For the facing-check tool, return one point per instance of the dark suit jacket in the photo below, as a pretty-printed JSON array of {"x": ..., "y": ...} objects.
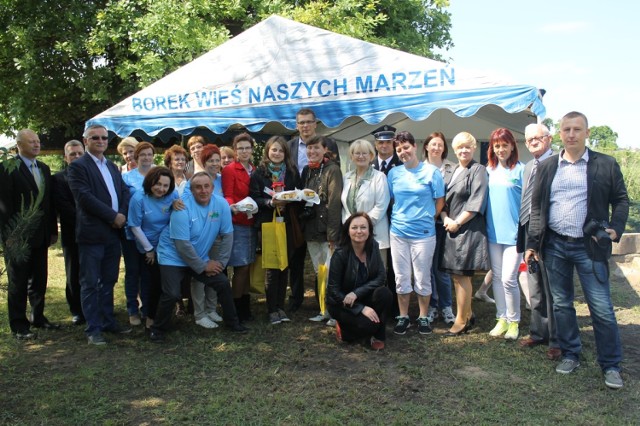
[
  {"x": 395, "y": 161},
  {"x": 20, "y": 185},
  {"x": 521, "y": 241},
  {"x": 65, "y": 208},
  {"x": 94, "y": 215},
  {"x": 605, "y": 187}
]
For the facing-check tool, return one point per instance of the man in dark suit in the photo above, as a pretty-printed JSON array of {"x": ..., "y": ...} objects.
[
  {"x": 21, "y": 188},
  {"x": 386, "y": 149},
  {"x": 102, "y": 200},
  {"x": 306, "y": 125},
  {"x": 66, "y": 210},
  {"x": 542, "y": 329},
  {"x": 569, "y": 228}
]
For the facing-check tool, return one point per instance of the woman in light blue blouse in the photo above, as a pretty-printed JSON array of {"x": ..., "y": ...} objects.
[
  {"x": 136, "y": 280},
  {"x": 417, "y": 190},
  {"x": 149, "y": 213},
  {"x": 503, "y": 207}
]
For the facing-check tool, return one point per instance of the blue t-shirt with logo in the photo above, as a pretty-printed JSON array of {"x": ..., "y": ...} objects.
[
  {"x": 414, "y": 192},
  {"x": 198, "y": 224}
]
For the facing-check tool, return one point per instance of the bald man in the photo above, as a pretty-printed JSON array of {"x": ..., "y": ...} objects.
[{"x": 25, "y": 186}]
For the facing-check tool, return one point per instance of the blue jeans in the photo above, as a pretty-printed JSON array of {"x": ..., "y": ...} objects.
[
  {"x": 560, "y": 258},
  {"x": 99, "y": 268},
  {"x": 136, "y": 279}
]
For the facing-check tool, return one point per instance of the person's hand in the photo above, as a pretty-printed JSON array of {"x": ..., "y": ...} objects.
[
  {"x": 177, "y": 204},
  {"x": 349, "y": 299},
  {"x": 450, "y": 225},
  {"x": 529, "y": 254},
  {"x": 234, "y": 209},
  {"x": 150, "y": 257},
  {"x": 332, "y": 246},
  {"x": 371, "y": 314},
  {"x": 213, "y": 268},
  {"x": 278, "y": 203},
  {"x": 119, "y": 221},
  {"x": 612, "y": 233}
]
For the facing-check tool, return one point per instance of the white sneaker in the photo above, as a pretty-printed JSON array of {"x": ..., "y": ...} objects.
[
  {"x": 331, "y": 322},
  {"x": 432, "y": 314},
  {"x": 206, "y": 323},
  {"x": 214, "y": 316},
  {"x": 319, "y": 318},
  {"x": 449, "y": 318},
  {"x": 483, "y": 297}
]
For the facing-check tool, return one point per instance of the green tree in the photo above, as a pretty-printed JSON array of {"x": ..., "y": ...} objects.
[
  {"x": 602, "y": 138},
  {"x": 63, "y": 62}
]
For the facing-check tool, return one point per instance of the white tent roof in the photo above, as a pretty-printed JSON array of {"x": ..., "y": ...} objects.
[{"x": 262, "y": 77}]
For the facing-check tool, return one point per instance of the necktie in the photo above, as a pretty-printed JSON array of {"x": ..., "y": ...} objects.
[
  {"x": 36, "y": 174},
  {"x": 383, "y": 167},
  {"x": 525, "y": 208}
]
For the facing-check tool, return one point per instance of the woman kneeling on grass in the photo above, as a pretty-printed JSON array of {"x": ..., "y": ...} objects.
[{"x": 357, "y": 297}]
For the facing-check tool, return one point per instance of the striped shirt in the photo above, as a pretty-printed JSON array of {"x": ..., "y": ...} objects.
[{"x": 568, "y": 203}]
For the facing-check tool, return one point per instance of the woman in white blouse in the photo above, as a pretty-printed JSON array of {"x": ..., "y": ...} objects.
[{"x": 366, "y": 190}]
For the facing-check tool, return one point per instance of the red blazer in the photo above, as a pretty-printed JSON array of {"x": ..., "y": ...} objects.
[{"x": 235, "y": 187}]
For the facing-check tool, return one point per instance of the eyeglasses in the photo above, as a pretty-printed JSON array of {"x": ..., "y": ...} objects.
[
  {"x": 306, "y": 122},
  {"x": 360, "y": 154},
  {"x": 244, "y": 148},
  {"x": 537, "y": 138},
  {"x": 97, "y": 138}
]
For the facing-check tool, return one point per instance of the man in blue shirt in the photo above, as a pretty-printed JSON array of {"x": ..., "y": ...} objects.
[
  {"x": 579, "y": 206},
  {"x": 187, "y": 247}
]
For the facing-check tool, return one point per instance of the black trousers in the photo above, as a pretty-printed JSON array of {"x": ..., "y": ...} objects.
[
  {"x": 296, "y": 276},
  {"x": 72, "y": 270},
  {"x": 172, "y": 276},
  {"x": 275, "y": 289},
  {"x": 27, "y": 280},
  {"x": 355, "y": 327}
]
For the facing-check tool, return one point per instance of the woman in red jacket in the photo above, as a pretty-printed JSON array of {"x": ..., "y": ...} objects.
[{"x": 235, "y": 187}]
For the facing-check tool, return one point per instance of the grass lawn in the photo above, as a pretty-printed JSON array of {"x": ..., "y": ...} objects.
[{"x": 296, "y": 373}]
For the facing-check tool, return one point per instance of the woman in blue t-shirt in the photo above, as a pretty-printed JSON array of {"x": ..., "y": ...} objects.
[
  {"x": 417, "y": 190},
  {"x": 149, "y": 214},
  {"x": 503, "y": 207}
]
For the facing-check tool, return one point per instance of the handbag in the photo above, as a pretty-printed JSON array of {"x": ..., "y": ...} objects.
[{"x": 274, "y": 244}]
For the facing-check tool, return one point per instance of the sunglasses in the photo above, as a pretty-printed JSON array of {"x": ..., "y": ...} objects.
[{"x": 97, "y": 138}]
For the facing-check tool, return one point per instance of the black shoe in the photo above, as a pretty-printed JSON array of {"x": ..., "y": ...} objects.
[
  {"x": 423, "y": 326},
  {"x": 464, "y": 330},
  {"x": 402, "y": 325},
  {"x": 78, "y": 320},
  {"x": 156, "y": 336},
  {"x": 25, "y": 335},
  {"x": 239, "y": 328},
  {"x": 46, "y": 325},
  {"x": 118, "y": 329}
]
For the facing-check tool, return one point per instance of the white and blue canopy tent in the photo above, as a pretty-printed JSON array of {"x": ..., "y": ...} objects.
[{"x": 262, "y": 77}]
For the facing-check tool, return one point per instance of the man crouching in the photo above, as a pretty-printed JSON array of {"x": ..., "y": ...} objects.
[{"x": 184, "y": 248}]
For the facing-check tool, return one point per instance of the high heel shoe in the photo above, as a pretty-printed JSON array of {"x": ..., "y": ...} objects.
[
  {"x": 471, "y": 322},
  {"x": 464, "y": 330}
]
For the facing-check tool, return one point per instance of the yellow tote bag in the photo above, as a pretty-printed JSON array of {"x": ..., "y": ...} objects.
[
  {"x": 322, "y": 286},
  {"x": 274, "y": 244}
]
